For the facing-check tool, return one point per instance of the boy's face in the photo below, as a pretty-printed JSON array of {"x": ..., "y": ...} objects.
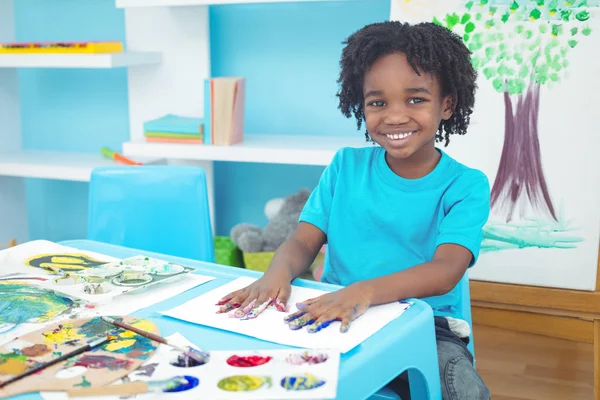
[{"x": 402, "y": 109}]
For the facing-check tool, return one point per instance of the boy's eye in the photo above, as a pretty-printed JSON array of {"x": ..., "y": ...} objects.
[
  {"x": 377, "y": 103},
  {"x": 416, "y": 100}
]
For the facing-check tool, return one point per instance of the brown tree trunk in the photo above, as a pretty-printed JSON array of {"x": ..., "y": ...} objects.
[{"x": 520, "y": 180}]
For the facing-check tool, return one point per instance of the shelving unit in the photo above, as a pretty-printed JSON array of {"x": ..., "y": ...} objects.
[
  {"x": 272, "y": 149},
  {"x": 179, "y": 3},
  {"x": 107, "y": 60},
  {"x": 61, "y": 165}
]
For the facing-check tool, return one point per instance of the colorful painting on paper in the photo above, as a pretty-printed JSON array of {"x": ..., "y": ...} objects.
[
  {"x": 532, "y": 132},
  {"x": 22, "y": 302}
]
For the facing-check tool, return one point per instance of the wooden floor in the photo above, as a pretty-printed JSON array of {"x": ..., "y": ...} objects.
[{"x": 520, "y": 366}]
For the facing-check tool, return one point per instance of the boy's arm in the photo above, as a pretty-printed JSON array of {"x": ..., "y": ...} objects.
[
  {"x": 296, "y": 254},
  {"x": 433, "y": 278}
]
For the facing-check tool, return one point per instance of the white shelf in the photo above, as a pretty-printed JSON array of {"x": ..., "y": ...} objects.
[
  {"x": 271, "y": 149},
  {"x": 106, "y": 60},
  {"x": 53, "y": 164},
  {"x": 177, "y": 3}
]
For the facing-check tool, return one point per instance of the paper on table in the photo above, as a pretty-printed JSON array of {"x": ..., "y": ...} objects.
[
  {"x": 209, "y": 375},
  {"x": 270, "y": 326}
]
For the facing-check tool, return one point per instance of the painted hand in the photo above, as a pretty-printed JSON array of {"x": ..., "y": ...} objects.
[
  {"x": 249, "y": 302},
  {"x": 345, "y": 305}
]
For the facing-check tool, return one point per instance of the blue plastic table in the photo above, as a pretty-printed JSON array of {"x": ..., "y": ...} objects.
[{"x": 408, "y": 342}]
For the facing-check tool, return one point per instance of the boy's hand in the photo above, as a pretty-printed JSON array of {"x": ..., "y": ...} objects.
[
  {"x": 249, "y": 302},
  {"x": 345, "y": 305}
]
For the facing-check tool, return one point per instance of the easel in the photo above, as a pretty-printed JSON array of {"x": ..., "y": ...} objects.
[
  {"x": 12, "y": 243},
  {"x": 560, "y": 313}
]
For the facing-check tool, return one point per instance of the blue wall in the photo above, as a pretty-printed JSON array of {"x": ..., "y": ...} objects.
[{"x": 288, "y": 52}]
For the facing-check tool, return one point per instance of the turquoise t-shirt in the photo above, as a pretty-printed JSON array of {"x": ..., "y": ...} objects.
[{"x": 378, "y": 223}]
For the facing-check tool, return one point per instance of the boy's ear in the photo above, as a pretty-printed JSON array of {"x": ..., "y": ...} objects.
[{"x": 448, "y": 105}]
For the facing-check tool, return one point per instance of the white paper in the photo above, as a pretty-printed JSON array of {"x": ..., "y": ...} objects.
[
  {"x": 13, "y": 267},
  {"x": 270, "y": 326},
  {"x": 217, "y": 368}
]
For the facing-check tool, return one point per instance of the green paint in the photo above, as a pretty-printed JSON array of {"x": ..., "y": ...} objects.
[
  {"x": 572, "y": 43},
  {"x": 528, "y": 233},
  {"x": 470, "y": 27},
  {"x": 84, "y": 382},
  {"x": 469, "y": 5},
  {"x": 452, "y": 20},
  {"x": 540, "y": 3},
  {"x": 586, "y": 31},
  {"x": 582, "y": 16},
  {"x": 56, "y": 354},
  {"x": 535, "y": 14},
  {"x": 505, "y": 17},
  {"x": 483, "y": 2},
  {"x": 465, "y": 18},
  {"x": 574, "y": 31},
  {"x": 514, "y": 6}
]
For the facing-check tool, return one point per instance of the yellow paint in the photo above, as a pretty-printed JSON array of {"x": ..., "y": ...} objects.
[
  {"x": 12, "y": 366},
  {"x": 552, "y": 12},
  {"x": 119, "y": 344},
  {"x": 144, "y": 325},
  {"x": 64, "y": 335}
]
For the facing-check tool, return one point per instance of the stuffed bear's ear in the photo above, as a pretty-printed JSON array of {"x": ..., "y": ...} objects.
[{"x": 273, "y": 206}]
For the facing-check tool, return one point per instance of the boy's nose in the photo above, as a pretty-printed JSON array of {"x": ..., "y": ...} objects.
[{"x": 396, "y": 115}]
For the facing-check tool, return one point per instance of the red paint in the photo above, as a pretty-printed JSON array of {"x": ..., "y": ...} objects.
[
  {"x": 101, "y": 362},
  {"x": 248, "y": 361}
]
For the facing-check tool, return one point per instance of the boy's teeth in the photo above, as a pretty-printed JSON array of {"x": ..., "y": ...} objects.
[{"x": 400, "y": 135}]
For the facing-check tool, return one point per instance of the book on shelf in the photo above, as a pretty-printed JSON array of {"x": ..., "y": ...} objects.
[
  {"x": 172, "y": 128},
  {"x": 224, "y": 99}
]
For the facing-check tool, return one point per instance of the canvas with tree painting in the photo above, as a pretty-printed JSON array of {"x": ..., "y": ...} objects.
[{"x": 532, "y": 132}]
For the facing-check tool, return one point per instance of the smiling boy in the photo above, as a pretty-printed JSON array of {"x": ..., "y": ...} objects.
[{"x": 401, "y": 219}]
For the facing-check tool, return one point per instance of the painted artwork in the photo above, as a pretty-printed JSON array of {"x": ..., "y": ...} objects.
[
  {"x": 532, "y": 132},
  {"x": 269, "y": 326},
  {"x": 247, "y": 375},
  {"x": 22, "y": 302}
]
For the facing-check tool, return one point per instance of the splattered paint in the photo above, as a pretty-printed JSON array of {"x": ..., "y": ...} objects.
[
  {"x": 181, "y": 384},
  {"x": 243, "y": 383},
  {"x": 301, "y": 382},
  {"x": 21, "y": 302},
  {"x": 127, "y": 342},
  {"x": 146, "y": 370},
  {"x": 190, "y": 358},
  {"x": 248, "y": 361},
  {"x": 63, "y": 334},
  {"x": 60, "y": 263},
  {"x": 35, "y": 351},
  {"x": 307, "y": 357},
  {"x": 13, "y": 364},
  {"x": 84, "y": 382},
  {"x": 101, "y": 362}
]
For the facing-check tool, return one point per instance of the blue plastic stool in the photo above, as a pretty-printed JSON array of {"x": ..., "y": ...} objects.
[
  {"x": 464, "y": 307},
  {"x": 162, "y": 209}
]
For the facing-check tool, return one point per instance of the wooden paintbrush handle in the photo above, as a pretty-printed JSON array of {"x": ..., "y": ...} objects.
[
  {"x": 140, "y": 332},
  {"x": 129, "y": 388}
]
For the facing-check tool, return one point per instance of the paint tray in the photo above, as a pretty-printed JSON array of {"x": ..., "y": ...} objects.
[{"x": 101, "y": 283}]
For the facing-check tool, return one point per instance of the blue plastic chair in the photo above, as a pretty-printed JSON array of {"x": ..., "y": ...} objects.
[
  {"x": 464, "y": 307},
  {"x": 159, "y": 208}
]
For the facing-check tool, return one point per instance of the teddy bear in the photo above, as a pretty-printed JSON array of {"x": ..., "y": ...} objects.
[{"x": 282, "y": 213}]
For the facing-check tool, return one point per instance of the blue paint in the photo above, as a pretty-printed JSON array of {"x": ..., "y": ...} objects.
[{"x": 289, "y": 53}]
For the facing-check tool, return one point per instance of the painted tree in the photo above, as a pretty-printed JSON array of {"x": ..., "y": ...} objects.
[{"x": 518, "y": 48}]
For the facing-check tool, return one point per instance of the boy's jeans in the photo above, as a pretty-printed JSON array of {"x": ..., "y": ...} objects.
[{"x": 459, "y": 379}]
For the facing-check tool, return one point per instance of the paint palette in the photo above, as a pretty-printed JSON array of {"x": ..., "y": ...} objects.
[
  {"x": 102, "y": 282},
  {"x": 265, "y": 374},
  {"x": 98, "y": 367}
]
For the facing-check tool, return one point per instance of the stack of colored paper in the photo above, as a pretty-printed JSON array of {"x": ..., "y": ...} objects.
[{"x": 175, "y": 129}]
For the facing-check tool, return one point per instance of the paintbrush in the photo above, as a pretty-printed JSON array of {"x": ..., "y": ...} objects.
[
  {"x": 200, "y": 357},
  {"x": 89, "y": 346}
]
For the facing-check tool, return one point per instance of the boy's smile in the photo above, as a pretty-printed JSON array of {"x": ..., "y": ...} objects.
[{"x": 403, "y": 111}]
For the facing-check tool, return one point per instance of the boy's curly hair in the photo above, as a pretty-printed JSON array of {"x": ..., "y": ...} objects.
[{"x": 430, "y": 47}]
